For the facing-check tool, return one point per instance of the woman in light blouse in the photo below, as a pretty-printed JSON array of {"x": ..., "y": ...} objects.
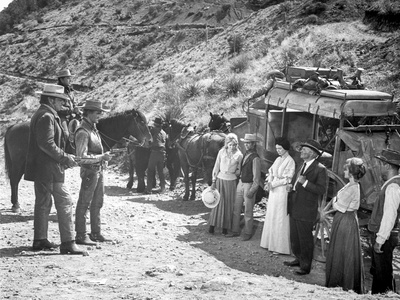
[
  {"x": 344, "y": 264},
  {"x": 224, "y": 179}
]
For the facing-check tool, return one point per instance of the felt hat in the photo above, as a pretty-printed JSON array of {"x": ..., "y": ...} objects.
[
  {"x": 210, "y": 197},
  {"x": 275, "y": 73},
  {"x": 53, "y": 90},
  {"x": 390, "y": 156},
  {"x": 157, "y": 122},
  {"x": 64, "y": 73},
  {"x": 94, "y": 105},
  {"x": 249, "y": 137},
  {"x": 314, "y": 145}
]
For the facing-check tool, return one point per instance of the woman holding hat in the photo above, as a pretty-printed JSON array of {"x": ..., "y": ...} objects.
[
  {"x": 224, "y": 176},
  {"x": 344, "y": 262},
  {"x": 91, "y": 195},
  {"x": 276, "y": 232}
]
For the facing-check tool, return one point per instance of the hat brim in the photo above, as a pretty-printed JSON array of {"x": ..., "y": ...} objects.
[
  {"x": 315, "y": 149},
  {"x": 215, "y": 194},
  {"x": 392, "y": 162},
  {"x": 248, "y": 141},
  {"x": 88, "y": 107},
  {"x": 55, "y": 95}
]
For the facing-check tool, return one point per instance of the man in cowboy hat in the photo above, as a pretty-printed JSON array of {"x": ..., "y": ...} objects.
[
  {"x": 70, "y": 109},
  {"x": 384, "y": 223},
  {"x": 272, "y": 76},
  {"x": 249, "y": 180},
  {"x": 90, "y": 151},
  {"x": 157, "y": 156},
  {"x": 45, "y": 165},
  {"x": 308, "y": 187}
]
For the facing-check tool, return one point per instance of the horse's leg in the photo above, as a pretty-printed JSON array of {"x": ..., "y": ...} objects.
[
  {"x": 194, "y": 178},
  {"x": 131, "y": 172},
  {"x": 15, "y": 178},
  {"x": 185, "y": 170}
]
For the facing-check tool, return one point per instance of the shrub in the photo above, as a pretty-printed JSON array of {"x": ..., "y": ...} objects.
[
  {"x": 147, "y": 62},
  {"x": 311, "y": 19},
  {"x": 191, "y": 90},
  {"x": 236, "y": 43},
  {"x": 27, "y": 87},
  {"x": 315, "y": 8},
  {"x": 240, "y": 64},
  {"x": 168, "y": 77},
  {"x": 153, "y": 10},
  {"x": 234, "y": 86},
  {"x": 222, "y": 12}
]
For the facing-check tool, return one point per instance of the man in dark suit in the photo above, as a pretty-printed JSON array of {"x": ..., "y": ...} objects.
[{"x": 308, "y": 187}]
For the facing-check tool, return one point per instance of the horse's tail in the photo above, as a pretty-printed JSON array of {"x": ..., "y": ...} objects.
[{"x": 7, "y": 156}]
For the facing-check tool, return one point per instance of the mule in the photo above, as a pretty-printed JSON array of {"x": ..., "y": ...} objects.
[
  {"x": 111, "y": 130},
  {"x": 195, "y": 151}
]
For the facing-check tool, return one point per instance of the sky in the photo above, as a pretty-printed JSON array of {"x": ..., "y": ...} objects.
[{"x": 4, "y": 4}]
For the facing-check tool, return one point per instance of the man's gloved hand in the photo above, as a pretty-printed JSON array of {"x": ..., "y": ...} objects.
[
  {"x": 69, "y": 161},
  {"x": 377, "y": 248},
  {"x": 106, "y": 156}
]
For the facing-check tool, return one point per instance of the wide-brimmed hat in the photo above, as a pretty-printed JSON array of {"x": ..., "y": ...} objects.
[
  {"x": 390, "y": 156},
  {"x": 157, "y": 122},
  {"x": 94, "y": 105},
  {"x": 249, "y": 137},
  {"x": 53, "y": 90},
  {"x": 275, "y": 73},
  {"x": 64, "y": 73},
  {"x": 312, "y": 144},
  {"x": 210, "y": 197}
]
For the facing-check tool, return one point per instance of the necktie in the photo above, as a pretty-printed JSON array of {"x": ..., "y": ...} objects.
[{"x": 303, "y": 168}]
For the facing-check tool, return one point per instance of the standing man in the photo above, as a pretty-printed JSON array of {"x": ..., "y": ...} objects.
[
  {"x": 92, "y": 158},
  {"x": 384, "y": 224},
  {"x": 250, "y": 174},
  {"x": 45, "y": 165},
  {"x": 308, "y": 187},
  {"x": 157, "y": 156}
]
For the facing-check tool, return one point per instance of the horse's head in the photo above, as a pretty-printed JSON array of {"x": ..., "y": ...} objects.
[
  {"x": 138, "y": 127},
  {"x": 218, "y": 122},
  {"x": 174, "y": 129}
]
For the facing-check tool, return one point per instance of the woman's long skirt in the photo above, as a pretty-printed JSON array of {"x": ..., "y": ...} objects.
[
  {"x": 344, "y": 264},
  {"x": 221, "y": 215}
]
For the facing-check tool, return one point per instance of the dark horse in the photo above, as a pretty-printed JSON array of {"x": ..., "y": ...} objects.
[
  {"x": 195, "y": 151},
  {"x": 111, "y": 129},
  {"x": 219, "y": 123}
]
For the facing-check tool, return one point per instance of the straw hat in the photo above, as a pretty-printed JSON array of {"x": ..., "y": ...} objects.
[
  {"x": 249, "y": 137},
  {"x": 53, "y": 90},
  {"x": 94, "y": 105},
  {"x": 210, "y": 197}
]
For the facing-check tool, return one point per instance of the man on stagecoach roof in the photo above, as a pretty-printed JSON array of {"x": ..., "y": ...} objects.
[{"x": 384, "y": 223}]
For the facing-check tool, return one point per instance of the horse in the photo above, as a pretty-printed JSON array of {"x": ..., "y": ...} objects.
[
  {"x": 111, "y": 130},
  {"x": 195, "y": 151},
  {"x": 139, "y": 156},
  {"x": 219, "y": 122}
]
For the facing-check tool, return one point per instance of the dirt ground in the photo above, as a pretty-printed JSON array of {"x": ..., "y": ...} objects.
[{"x": 160, "y": 249}]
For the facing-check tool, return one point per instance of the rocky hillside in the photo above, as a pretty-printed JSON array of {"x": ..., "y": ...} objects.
[{"x": 187, "y": 56}]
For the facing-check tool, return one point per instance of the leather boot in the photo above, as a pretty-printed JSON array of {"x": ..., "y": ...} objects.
[
  {"x": 83, "y": 239},
  {"x": 71, "y": 247},
  {"x": 43, "y": 244},
  {"x": 98, "y": 237}
]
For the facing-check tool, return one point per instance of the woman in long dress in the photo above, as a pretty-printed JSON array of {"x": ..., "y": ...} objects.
[
  {"x": 344, "y": 263},
  {"x": 224, "y": 176},
  {"x": 276, "y": 232}
]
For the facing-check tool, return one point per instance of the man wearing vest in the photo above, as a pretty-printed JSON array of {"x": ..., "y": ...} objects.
[
  {"x": 90, "y": 152},
  {"x": 308, "y": 187},
  {"x": 250, "y": 174},
  {"x": 384, "y": 224}
]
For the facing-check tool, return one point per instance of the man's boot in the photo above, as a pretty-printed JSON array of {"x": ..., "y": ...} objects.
[
  {"x": 72, "y": 248},
  {"x": 83, "y": 239},
  {"x": 43, "y": 244},
  {"x": 98, "y": 237}
]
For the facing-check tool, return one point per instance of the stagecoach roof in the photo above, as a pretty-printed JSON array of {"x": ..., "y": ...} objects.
[{"x": 333, "y": 103}]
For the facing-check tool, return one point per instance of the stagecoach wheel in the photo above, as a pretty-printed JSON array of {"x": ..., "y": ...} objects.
[{"x": 323, "y": 226}]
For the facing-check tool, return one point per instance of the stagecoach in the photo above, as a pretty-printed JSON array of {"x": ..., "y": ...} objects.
[{"x": 346, "y": 122}]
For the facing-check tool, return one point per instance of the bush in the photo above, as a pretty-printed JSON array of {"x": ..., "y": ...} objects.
[
  {"x": 236, "y": 43},
  {"x": 240, "y": 64},
  {"x": 191, "y": 90},
  {"x": 168, "y": 77},
  {"x": 311, "y": 19},
  {"x": 222, "y": 12},
  {"x": 234, "y": 86},
  {"x": 315, "y": 8}
]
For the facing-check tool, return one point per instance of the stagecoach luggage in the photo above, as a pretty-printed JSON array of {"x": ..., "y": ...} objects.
[{"x": 294, "y": 73}]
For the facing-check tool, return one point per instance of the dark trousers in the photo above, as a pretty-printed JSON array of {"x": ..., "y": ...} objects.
[
  {"x": 91, "y": 197},
  {"x": 302, "y": 242},
  {"x": 43, "y": 202},
  {"x": 156, "y": 162},
  {"x": 381, "y": 266}
]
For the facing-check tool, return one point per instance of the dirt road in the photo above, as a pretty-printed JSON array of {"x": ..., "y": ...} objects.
[{"x": 160, "y": 250}]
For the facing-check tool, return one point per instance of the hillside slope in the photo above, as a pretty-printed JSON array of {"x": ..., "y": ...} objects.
[{"x": 156, "y": 55}]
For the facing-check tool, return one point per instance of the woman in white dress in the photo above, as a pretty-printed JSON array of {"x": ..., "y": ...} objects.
[
  {"x": 276, "y": 233},
  {"x": 224, "y": 176}
]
